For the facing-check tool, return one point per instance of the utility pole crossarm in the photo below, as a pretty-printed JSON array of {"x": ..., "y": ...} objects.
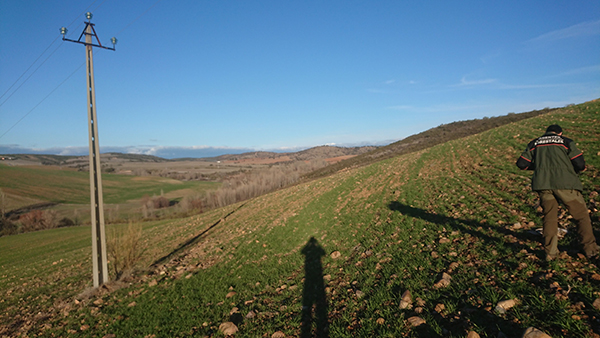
[
  {"x": 93, "y": 34},
  {"x": 91, "y": 31}
]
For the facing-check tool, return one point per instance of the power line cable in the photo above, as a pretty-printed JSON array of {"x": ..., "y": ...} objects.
[
  {"x": 26, "y": 70},
  {"x": 139, "y": 16},
  {"x": 65, "y": 80},
  {"x": 30, "y": 75},
  {"x": 44, "y": 99},
  {"x": 36, "y": 60}
]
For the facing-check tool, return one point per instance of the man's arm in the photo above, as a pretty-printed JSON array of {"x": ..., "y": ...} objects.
[
  {"x": 525, "y": 164},
  {"x": 576, "y": 156},
  {"x": 525, "y": 161},
  {"x": 578, "y": 163}
]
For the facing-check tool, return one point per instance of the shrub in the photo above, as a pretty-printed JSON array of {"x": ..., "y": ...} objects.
[
  {"x": 38, "y": 220},
  {"x": 125, "y": 249},
  {"x": 8, "y": 228},
  {"x": 189, "y": 203},
  {"x": 160, "y": 202},
  {"x": 65, "y": 222}
]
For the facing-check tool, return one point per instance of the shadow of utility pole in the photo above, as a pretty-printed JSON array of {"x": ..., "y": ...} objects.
[
  {"x": 313, "y": 297},
  {"x": 187, "y": 244}
]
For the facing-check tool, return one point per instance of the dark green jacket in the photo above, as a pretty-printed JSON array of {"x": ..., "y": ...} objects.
[{"x": 555, "y": 160}]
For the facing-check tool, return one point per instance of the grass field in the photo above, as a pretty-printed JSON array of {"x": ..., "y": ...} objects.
[
  {"x": 271, "y": 264},
  {"x": 71, "y": 186}
]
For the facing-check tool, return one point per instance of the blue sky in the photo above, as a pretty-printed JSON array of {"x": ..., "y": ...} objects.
[{"x": 202, "y": 78}]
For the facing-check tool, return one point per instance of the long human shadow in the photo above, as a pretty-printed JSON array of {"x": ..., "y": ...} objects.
[
  {"x": 313, "y": 296},
  {"x": 469, "y": 226}
]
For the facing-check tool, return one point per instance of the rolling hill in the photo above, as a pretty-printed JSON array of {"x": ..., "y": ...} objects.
[{"x": 438, "y": 237}]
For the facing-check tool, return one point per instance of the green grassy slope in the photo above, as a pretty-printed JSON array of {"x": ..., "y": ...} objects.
[
  {"x": 460, "y": 208},
  {"x": 427, "y": 139},
  {"x": 69, "y": 186}
]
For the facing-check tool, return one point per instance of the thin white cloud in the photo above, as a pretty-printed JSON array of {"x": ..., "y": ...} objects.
[
  {"x": 577, "y": 71},
  {"x": 400, "y": 107},
  {"x": 465, "y": 82},
  {"x": 388, "y": 82},
  {"x": 528, "y": 86},
  {"x": 588, "y": 28},
  {"x": 438, "y": 108},
  {"x": 376, "y": 91}
]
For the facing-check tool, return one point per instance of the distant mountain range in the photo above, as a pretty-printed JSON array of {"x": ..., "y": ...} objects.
[{"x": 320, "y": 152}]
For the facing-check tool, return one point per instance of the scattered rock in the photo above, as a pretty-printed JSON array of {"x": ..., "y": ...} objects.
[
  {"x": 443, "y": 282},
  {"x": 110, "y": 335},
  {"x": 418, "y": 310},
  {"x": 380, "y": 321},
  {"x": 406, "y": 300},
  {"x": 152, "y": 283},
  {"x": 532, "y": 332},
  {"x": 504, "y": 305},
  {"x": 335, "y": 255},
  {"x": 231, "y": 294},
  {"x": 278, "y": 334},
  {"x": 132, "y": 304},
  {"x": 434, "y": 254},
  {"x": 250, "y": 314},
  {"x": 416, "y": 321},
  {"x": 472, "y": 334},
  {"x": 440, "y": 308},
  {"x": 596, "y": 304},
  {"x": 228, "y": 328},
  {"x": 444, "y": 240},
  {"x": 359, "y": 294}
]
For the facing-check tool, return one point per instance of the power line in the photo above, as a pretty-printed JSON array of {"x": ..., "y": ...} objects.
[
  {"x": 139, "y": 16},
  {"x": 36, "y": 60},
  {"x": 26, "y": 70},
  {"x": 44, "y": 99},
  {"x": 65, "y": 80},
  {"x": 30, "y": 75}
]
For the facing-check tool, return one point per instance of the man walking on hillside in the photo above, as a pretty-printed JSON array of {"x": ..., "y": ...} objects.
[{"x": 556, "y": 160}]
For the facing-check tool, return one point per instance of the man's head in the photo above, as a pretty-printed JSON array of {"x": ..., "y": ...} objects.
[{"x": 555, "y": 128}]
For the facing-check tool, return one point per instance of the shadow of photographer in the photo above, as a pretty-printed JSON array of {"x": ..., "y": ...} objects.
[{"x": 314, "y": 302}]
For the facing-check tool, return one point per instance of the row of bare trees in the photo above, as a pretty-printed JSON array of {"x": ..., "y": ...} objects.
[{"x": 246, "y": 185}]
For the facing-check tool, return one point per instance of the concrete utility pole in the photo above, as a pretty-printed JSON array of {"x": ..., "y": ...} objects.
[{"x": 100, "y": 264}]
